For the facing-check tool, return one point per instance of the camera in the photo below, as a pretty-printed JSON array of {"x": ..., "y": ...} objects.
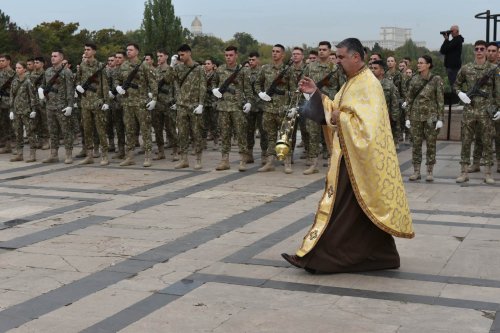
[{"x": 446, "y": 32}]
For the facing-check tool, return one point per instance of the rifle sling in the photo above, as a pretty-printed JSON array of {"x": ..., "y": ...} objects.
[
  {"x": 420, "y": 90},
  {"x": 185, "y": 76}
]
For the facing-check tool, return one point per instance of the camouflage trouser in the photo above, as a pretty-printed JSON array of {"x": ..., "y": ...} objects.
[
  {"x": 42, "y": 129},
  {"x": 117, "y": 122},
  {"x": 315, "y": 133},
  {"x": 60, "y": 124},
  {"x": 210, "y": 122},
  {"x": 109, "y": 125},
  {"x": 395, "y": 121},
  {"x": 95, "y": 121},
  {"x": 189, "y": 123},
  {"x": 478, "y": 145},
  {"x": 482, "y": 126},
  {"x": 421, "y": 130},
  {"x": 6, "y": 130},
  {"x": 271, "y": 122},
  {"x": 164, "y": 118},
  {"x": 229, "y": 121},
  {"x": 254, "y": 121},
  {"x": 131, "y": 115},
  {"x": 22, "y": 122}
]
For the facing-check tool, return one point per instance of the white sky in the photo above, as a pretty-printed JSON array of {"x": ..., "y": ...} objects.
[{"x": 288, "y": 22}]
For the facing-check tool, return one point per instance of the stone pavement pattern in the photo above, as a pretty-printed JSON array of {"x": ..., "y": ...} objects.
[{"x": 111, "y": 249}]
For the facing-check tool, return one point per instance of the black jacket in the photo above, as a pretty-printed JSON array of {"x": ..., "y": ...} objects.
[{"x": 452, "y": 50}]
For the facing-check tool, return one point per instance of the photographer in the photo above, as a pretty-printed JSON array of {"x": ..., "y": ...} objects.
[{"x": 452, "y": 51}]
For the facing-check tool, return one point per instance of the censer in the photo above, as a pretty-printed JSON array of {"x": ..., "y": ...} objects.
[{"x": 284, "y": 142}]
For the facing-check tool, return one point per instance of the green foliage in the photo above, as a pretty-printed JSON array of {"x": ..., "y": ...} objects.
[
  {"x": 244, "y": 42},
  {"x": 205, "y": 47}
]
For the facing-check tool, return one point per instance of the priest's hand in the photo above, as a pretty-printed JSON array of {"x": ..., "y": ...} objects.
[{"x": 307, "y": 85}]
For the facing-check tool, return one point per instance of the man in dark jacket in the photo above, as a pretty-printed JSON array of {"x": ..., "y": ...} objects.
[{"x": 452, "y": 51}]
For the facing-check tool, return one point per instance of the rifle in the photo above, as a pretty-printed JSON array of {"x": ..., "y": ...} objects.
[
  {"x": 4, "y": 89},
  {"x": 50, "y": 85},
  {"x": 225, "y": 85},
  {"x": 273, "y": 87},
  {"x": 475, "y": 90},
  {"x": 38, "y": 80},
  {"x": 324, "y": 81},
  {"x": 87, "y": 85},
  {"x": 131, "y": 76}
]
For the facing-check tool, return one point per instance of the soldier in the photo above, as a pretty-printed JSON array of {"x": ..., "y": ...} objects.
[
  {"x": 210, "y": 113},
  {"x": 7, "y": 75},
  {"x": 30, "y": 65},
  {"x": 57, "y": 88},
  {"x": 329, "y": 79},
  {"x": 116, "y": 106},
  {"x": 477, "y": 111},
  {"x": 92, "y": 85},
  {"x": 163, "y": 115},
  {"x": 298, "y": 68},
  {"x": 395, "y": 75},
  {"x": 276, "y": 104},
  {"x": 312, "y": 57},
  {"x": 254, "y": 117},
  {"x": 135, "y": 80},
  {"x": 36, "y": 77},
  {"x": 23, "y": 112},
  {"x": 390, "y": 92},
  {"x": 111, "y": 63},
  {"x": 190, "y": 90},
  {"x": 425, "y": 104},
  {"x": 232, "y": 92}
]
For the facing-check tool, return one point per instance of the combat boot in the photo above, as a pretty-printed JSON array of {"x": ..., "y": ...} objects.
[
  {"x": 269, "y": 166},
  {"x": 6, "y": 149},
  {"x": 53, "y": 158},
  {"x": 120, "y": 154},
  {"x": 474, "y": 167},
  {"x": 32, "y": 157},
  {"x": 104, "y": 158},
  {"x": 416, "y": 173},
  {"x": 197, "y": 165},
  {"x": 313, "y": 168},
  {"x": 224, "y": 163},
  {"x": 89, "y": 159},
  {"x": 147, "y": 159},
  {"x": 288, "y": 165},
  {"x": 175, "y": 154},
  {"x": 263, "y": 158},
  {"x": 250, "y": 156},
  {"x": 183, "y": 162},
  {"x": 161, "y": 153},
  {"x": 82, "y": 153},
  {"x": 129, "y": 160},
  {"x": 45, "y": 144},
  {"x": 430, "y": 177},
  {"x": 96, "y": 152},
  {"x": 69, "y": 156},
  {"x": 487, "y": 176},
  {"x": 18, "y": 157},
  {"x": 463, "y": 176},
  {"x": 243, "y": 163}
]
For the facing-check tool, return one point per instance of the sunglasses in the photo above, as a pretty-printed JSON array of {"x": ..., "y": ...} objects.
[{"x": 479, "y": 49}]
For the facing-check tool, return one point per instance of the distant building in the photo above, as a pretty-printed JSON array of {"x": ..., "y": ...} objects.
[
  {"x": 196, "y": 27},
  {"x": 391, "y": 38}
]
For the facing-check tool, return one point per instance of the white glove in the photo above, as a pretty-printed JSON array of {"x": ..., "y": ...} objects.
[
  {"x": 67, "y": 111},
  {"x": 173, "y": 107},
  {"x": 407, "y": 124},
  {"x": 75, "y": 105},
  {"x": 291, "y": 113},
  {"x": 151, "y": 105},
  {"x": 150, "y": 94},
  {"x": 198, "y": 110},
  {"x": 32, "y": 114},
  {"x": 41, "y": 95},
  {"x": 80, "y": 89},
  {"x": 247, "y": 107},
  {"x": 173, "y": 60},
  {"x": 76, "y": 94},
  {"x": 439, "y": 124},
  {"x": 307, "y": 96},
  {"x": 496, "y": 116},
  {"x": 463, "y": 97},
  {"x": 11, "y": 116},
  {"x": 111, "y": 95},
  {"x": 216, "y": 93},
  {"x": 404, "y": 105},
  {"x": 265, "y": 97},
  {"x": 105, "y": 107},
  {"x": 120, "y": 90}
]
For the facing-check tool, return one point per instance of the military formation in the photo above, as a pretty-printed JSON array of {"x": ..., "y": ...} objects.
[{"x": 118, "y": 105}]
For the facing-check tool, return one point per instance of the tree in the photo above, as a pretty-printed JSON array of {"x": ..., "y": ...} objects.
[
  {"x": 6, "y": 26},
  {"x": 161, "y": 28},
  {"x": 245, "y": 43},
  {"x": 207, "y": 47}
]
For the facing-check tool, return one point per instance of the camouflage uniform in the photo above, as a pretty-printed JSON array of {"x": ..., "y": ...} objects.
[
  {"x": 298, "y": 73},
  {"x": 210, "y": 113},
  {"x": 397, "y": 122},
  {"x": 477, "y": 115},
  {"x": 117, "y": 112},
  {"x": 229, "y": 107},
  {"x": 254, "y": 117},
  {"x": 392, "y": 99},
  {"x": 425, "y": 108},
  {"x": 6, "y": 130},
  {"x": 189, "y": 94},
  {"x": 59, "y": 97},
  {"x": 93, "y": 118},
  {"x": 42, "y": 130},
  {"x": 134, "y": 103},
  {"x": 22, "y": 103},
  {"x": 163, "y": 115}
]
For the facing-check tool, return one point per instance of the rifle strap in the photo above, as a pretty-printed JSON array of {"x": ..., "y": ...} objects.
[
  {"x": 186, "y": 75},
  {"x": 421, "y": 88},
  {"x": 230, "y": 79}
]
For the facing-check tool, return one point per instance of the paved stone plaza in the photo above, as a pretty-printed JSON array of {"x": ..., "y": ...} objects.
[{"x": 113, "y": 249}]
